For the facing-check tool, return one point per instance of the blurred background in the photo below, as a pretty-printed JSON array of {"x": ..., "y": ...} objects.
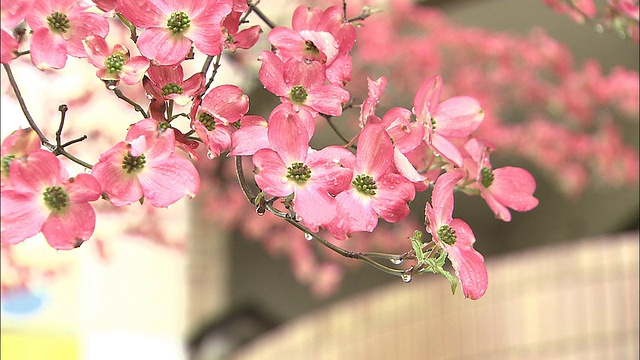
[{"x": 201, "y": 280}]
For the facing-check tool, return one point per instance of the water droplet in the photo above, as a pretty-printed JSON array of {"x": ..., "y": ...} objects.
[
  {"x": 396, "y": 261},
  {"x": 298, "y": 218},
  {"x": 210, "y": 155},
  {"x": 260, "y": 211},
  {"x": 308, "y": 236},
  {"x": 406, "y": 278},
  {"x": 599, "y": 28},
  {"x": 87, "y": 170},
  {"x": 111, "y": 86}
]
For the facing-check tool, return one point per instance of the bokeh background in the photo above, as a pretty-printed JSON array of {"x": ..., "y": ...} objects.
[{"x": 176, "y": 284}]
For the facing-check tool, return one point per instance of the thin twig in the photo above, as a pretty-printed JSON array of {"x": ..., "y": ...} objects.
[
  {"x": 43, "y": 139},
  {"x": 137, "y": 107},
  {"x": 261, "y": 15}
]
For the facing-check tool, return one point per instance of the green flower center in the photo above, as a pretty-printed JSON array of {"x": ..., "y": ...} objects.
[
  {"x": 446, "y": 234},
  {"x": 487, "y": 177},
  {"x": 365, "y": 184},
  {"x": 163, "y": 126},
  {"x": 311, "y": 47},
  {"x": 55, "y": 198},
  {"x": 298, "y": 172},
  {"x": 433, "y": 123},
  {"x": 6, "y": 161},
  {"x": 178, "y": 22},
  {"x": 172, "y": 88},
  {"x": 207, "y": 120},
  {"x": 58, "y": 22},
  {"x": 133, "y": 163},
  {"x": 298, "y": 94},
  {"x": 114, "y": 63}
]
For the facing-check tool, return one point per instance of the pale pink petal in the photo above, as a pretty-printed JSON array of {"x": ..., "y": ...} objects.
[
  {"x": 251, "y": 137},
  {"x": 339, "y": 71},
  {"x": 271, "y": 73},
  {"x": 168, "y": 180},
  {"x": 288, "y": 137},
  {"x": 120, "y": 187},
  {"x": 305, "y": 18},
  {"x": 83, "y": 25},
  {"x": 501, "y": 211},
  {"x": 288, "y": 43},
  {"x": 48, "y": 50},
  {"x": 271, "y": 173},
  {"x": 226, "y": 102},
  {"x": 324, "y": 42},
  {"x": 344, "y": 32},
  {"x": 83, "y": 188},
  {"x": 392, "y": 197},
  {"x": 133, "y": 71},
  {"x": 206, "y": 27},
  {"x": 442, "y": 197},
  {"x": 514, "y": 187},
  {"x": 68, "y": 229},
  {"x": 163, "y": 48},
  {"x": 327, "y": 170},
  {"x": 8, "y": 47},
  {"x": 97, "y": 50},
  {"x": 162, "y": 75},
  {"x": 157, "y": 145},
  {"x": 35, "y": 172},
  {"x": 467, "y": 262},
  {"x": 246, "y": 38},
  {"x": 13, "y": 12},
  {"x": 355, "y": 212},
  {"x": 328, "y": 99},
  {"x": 404, "y": 167},
  {"x": 406, "y": 134},
  {"x": 375, "y": 151},
  {"x": 427, "y": 98},
  {"x": 142, "y": 13},
  {"x": 309, "y": 74},
  {"x": 458, "y": 116},
  {"x": 444, "y": 147},
  {"x": 315, "y": 207},
  {"x": 22, "y": 216}
]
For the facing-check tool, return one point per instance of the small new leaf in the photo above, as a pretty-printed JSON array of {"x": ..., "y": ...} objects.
[{"x": 416, "y": 242}]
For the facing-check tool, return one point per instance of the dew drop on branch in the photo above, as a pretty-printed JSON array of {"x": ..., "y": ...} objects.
[
  {"x": 308, "y": 236},
  {"x": 406, "y": 278},
  {"x": 396, "y": 261}
]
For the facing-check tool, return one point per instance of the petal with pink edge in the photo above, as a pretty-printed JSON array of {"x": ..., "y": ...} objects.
[
  {"x": 48, "y": 50},
  {"x": 467, "y": 262},
  {"x": 392, "y": 196},
  {"x": 22, "y": 216},
  {"x": 375, "y": 151},
  {"x": 69, "y": 229},
  {"x": 458, "y": 116},
  {"x": 315, "y": 206},
  {"x": 163, "y": 48},
  {"x": 271, "y": 173},
  {"x": 442, "y": 197},
  {"x": 168, "y": 180}
]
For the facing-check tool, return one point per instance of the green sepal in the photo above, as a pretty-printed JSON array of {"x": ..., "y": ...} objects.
[
  {"x": 436, "y": 266},
  {"x": 416, "y": 242}
]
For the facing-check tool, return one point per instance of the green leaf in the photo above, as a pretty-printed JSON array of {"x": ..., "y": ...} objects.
[{"x": 416, "y": 242}]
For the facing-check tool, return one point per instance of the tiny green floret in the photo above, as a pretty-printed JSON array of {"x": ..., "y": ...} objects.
[
  {"x": 58, "y": 22},
  {"x": 178, "y": 22},
  {"x": 365, "y": 184},
  {"x": 55, "y": 198},
  {"x": 133, "y": 163},
  {"x": 114, "y": 63},
  {"x": 298, "y": 94},
  {"x": 6, "y": 161},
  {"x": 172, "y": 88},
  {"x": 299, "y": 172},
  {"x": 207, "y": 120},
  {"x": 447, "y": 234},
  {"x": 487, "y": 177}
]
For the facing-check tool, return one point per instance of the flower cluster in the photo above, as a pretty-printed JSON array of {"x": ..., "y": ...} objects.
[{"x": 340, "y": 189}]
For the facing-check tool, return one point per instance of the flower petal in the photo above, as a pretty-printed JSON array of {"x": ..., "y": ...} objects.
[
  {"x": 168, "y": 180},
  {"x": 69, "y": 229},
  {"x": 271, "y": 173},
  {"x": 467, "y": 262},
  {"x": 22, "y": 215}
]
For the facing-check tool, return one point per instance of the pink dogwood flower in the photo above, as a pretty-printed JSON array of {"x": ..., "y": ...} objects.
[
  {"x": 212, "y": 119},
  {"x": 44, "y": 199},
  {"x": 144, "y": 165},
  {"x": 454, "y": 118},
  {"x": 15, "y": 146},
  {"x": 375, "y": 190},
  {"x": 167, "y": 82},
  {"x": 502, "y": 188},
  {"x": 171, "y": 27},
  {"x": 58, "y": 29},
  {"x": 114, "y": 65},
  {"x": 250, "y": 137},
  {"x": 311, "y": 176},
  {"x": 239, "y": 39},
  {"x": 301, "y": 83},
  {"x": 455, "y": 237}
]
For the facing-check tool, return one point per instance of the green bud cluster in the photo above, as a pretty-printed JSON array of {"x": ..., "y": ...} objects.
[
  {"x": 487, "y": 177},
  {"x": 133, "y": 163},
  {"x": 55, "y": 198},
  {"x": 298, "y": 172},
  {"x": 58, "y": 22},
  {"x": 114, "y": 63},
  {"x": 365, "y": 184},
  {"x": 178, "y": 22},
  {"x": 172, "y": 88},
  {"x": 298, "y": 94},
  {"x": 447, "y": 234},
  {"x": 207, "y": 120}
]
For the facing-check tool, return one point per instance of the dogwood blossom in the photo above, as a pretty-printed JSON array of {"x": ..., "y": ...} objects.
[
  {"x": 171, "y": 27},
  {"x": 114, "y": 65},
  {"x": 58, "y": 29},
  {"x": 455, "y": 237},
  {"x": 144, "y": 167},
  {"x": 43, "y": 198}
]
